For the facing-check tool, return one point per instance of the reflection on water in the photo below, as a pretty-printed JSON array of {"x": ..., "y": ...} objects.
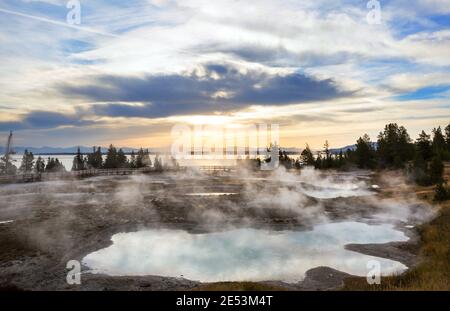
[
  {"x": 6, "y": 222},
  {"x": 243, "y": 254}
]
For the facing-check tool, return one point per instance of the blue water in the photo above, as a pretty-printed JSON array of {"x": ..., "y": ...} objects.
[{"x": 243, "y": 254}]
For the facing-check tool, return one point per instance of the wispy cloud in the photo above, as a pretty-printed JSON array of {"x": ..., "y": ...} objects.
[
  {"x": 152, "y": 59},
  {"x": 57, "y": 23}
]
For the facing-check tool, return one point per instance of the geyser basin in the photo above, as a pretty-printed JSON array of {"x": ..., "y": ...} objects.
[{"x": 243, "y": 254}]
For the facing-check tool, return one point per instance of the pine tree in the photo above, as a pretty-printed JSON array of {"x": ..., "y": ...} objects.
[
  {"x": 423, "y": 146},
  {"x": 140, "y": 158},
  {"x": 39, "y": 167},
  {"x": 98, "y": 158},
  {"x": 419, "y": 172},
  {"x": 78, "y": 161},
  {"x": 133, "y": 160},
  {"x": 143, "y": 158},
  {"x": 328, "y": 161},
  {"x": 439, "y": 144},
  {"x": 111, "y": 160},
  {"x": 436, "y": 170},
  {"x": 447, "y": 137},
  {"x": 394, "y": 146},
  {"x": 307, "y": 157},
  {"x": 158, "y": 164},
  {"x": 147, "y": 160},
  {"x": 318, "y": 164},
  {"x": 59, "y": 166},
  {"x": 6, "y": 166},
  {"x": 364, "y": 153},
  {"x": 121, "y": 159},
  {"x": 95, "y": 159},
  {"x": 27, "y": 162},
  {"x": 54, "y": 166}
]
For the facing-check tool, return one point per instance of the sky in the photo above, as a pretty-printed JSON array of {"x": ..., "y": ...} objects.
[{"x": 131, "y": 70}]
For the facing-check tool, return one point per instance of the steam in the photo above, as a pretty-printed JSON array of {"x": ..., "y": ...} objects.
[
  {"x": 60, "y": 214},
  {"x": 307, "y": 197}
]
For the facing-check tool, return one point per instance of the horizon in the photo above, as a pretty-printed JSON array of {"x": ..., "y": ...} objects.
[{"x": 318, "y": 148}]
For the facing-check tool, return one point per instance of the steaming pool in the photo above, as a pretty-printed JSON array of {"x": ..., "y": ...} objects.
[{"x": 244, "y": 254}]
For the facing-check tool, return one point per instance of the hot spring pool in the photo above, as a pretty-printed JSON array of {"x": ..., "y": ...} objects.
[{"x": 243, "y": 254}]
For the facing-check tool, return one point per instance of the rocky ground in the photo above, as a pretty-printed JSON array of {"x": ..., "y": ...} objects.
[{"x": 58, "y": 221}]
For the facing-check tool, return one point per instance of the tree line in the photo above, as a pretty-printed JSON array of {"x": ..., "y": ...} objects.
[
  {"x": 31, "y": 165},
  {"x": 421, "y": 159},
  {"x": 116, "y": 158},
  {"x": 113, "y": 159}
]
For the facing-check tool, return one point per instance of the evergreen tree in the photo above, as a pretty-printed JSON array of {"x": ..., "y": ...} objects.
[
  {"x": 54, "y": 166},
  {"x": 158, "y": 165},
  {"x": 439, "y": 144},
  {"x": 111, "y": 160},
  {"x": 133, "y": 160},
  {"x": 27, "y": 162},
  {"x": 284, "y": 159},
  {"x": 436, "y": 170},
  {"x": 50, "y": 165},
  {"x": 121, "y": 159},
  {"x": 423, "y": 146},
  {"x": 140, "y": 159},
  {"x": 350, "y": 156},
  {"x": 318, "y": 164},
  {"x": 95, "y": 159},
  {"x": 6, "y": 166},
  {"x": 59, "y": 166},
  {"x": 326, "y": 150},
  {"x": 307, "y": 157},
  {"x": 419, "y": 172},
  {"x": 147, "y": 160},
  {"x": 143, "y": 158},
  {"x": 447, "y": 137},
  {"x": 39, "y": 167},
  {"x": 78, "y": 161},
  {"x": 394, "y": 146},
  {"x": 364, "y": 153}
]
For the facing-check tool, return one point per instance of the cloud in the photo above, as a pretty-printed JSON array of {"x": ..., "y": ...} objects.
[
  {"x": 210, "y": 88},
  {"x": 44, "y": 120},
  {"x": 308, "y": 53}
]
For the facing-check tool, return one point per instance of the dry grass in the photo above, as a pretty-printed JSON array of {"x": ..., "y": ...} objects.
[{"x": 433, "y": 273}]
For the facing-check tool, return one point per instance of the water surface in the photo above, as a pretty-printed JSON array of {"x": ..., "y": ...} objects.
[{"x": 243, "y": 254}]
